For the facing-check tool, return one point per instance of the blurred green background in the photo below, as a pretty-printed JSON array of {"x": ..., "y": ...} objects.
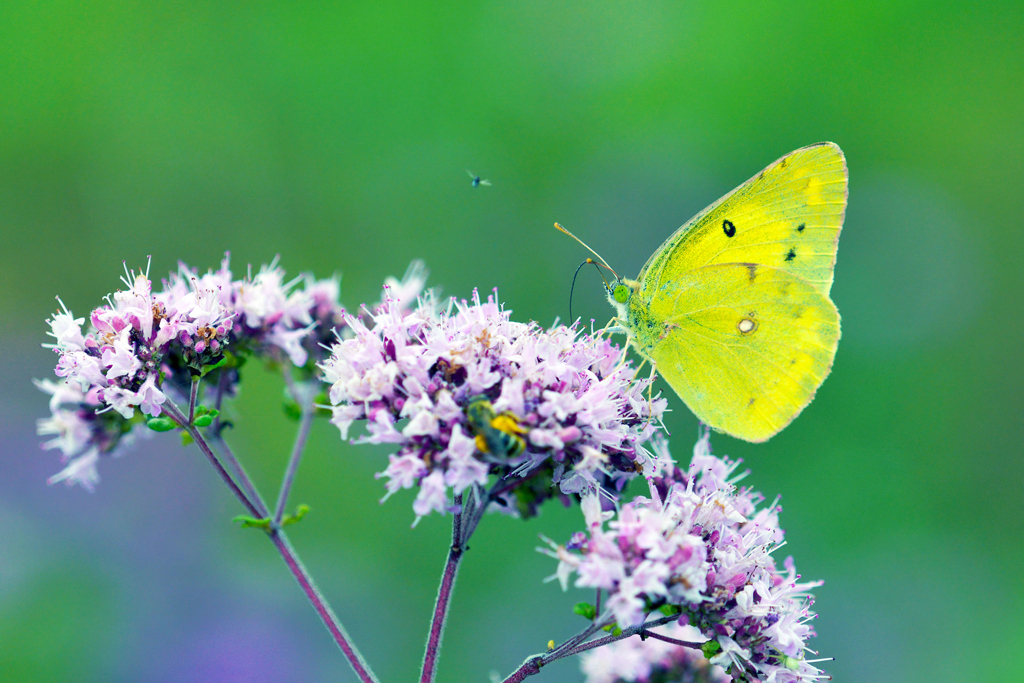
[{"x": 338, "y": 136}]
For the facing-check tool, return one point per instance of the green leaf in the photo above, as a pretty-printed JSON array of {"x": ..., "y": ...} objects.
[
  {"x": 210, "y": 368},
  {"x": 264, "y": 523},
  {"x": 248, "y": 521},
  {"x": 186, "y": 439},
  {"x": 160, "y": 424},
  {"x": 670, "y": 610},
  {"x": 710, "y": 648},
  {"x": 585, "y": 610},
  {"x": 203, "y": 421},
  {"x": 300, "y": 512},
  {"x": 292, "y": 409}
]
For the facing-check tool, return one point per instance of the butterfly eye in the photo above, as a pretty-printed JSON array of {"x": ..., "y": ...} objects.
[{"x": 620, "y": 293}]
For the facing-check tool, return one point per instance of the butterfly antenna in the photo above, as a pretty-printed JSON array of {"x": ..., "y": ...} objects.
[
  {"x": 573, "y": 287},
  {"x": 588, "y": 249}
]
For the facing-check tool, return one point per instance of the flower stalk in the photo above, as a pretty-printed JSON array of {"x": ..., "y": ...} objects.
[
  {"x": 444, "y": 595},
  {"x": 305, "y": 395}
]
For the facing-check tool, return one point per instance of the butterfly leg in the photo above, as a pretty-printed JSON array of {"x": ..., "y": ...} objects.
[
  {"x": 654, "y": 369},
  {"x": 612, "y": 325},
  {"x": 615, "y": 325},
  {"x": 643, "y": 360},
  {"x": 594, "y": 337},
  {"x": 650, "y": 392},
  {"x": 625, "y": 355}
]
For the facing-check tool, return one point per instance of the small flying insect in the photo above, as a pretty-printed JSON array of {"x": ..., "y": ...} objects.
[{"x": 477, "y": 182}]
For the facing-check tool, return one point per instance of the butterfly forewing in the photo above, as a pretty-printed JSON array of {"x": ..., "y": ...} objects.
[
  {"x": 744, "y": 345},
  {"x": 788, "y": 217}
]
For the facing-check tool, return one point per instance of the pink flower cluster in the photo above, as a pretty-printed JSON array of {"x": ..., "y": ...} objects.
[
  {"x": 142, "y": 347},
  {"x": 569, "y": 410},
  {"x": 702, "y": 546}
]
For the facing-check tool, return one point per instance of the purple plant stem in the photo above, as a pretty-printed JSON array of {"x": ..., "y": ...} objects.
[
  {"x": 193, "y": 395},
  {"x": 530, "y": 667},
  {"x": 533, "y": 664},
  {"x": 243, "y": 478},
  {"x": 306, "y": 423},
  {"x": 327, "y": 615},
  {"x": 674, "y": 641},
  {"x": 444, "y": 596},
  {"x": 175, "y": 414}
]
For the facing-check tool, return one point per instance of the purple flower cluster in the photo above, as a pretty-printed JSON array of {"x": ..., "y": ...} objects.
[
  {"x": 466, "y": 394},
  {"x": 700, "y": 545},
  {"x": 142, "y": 346},
  {"x": 652, "y": 660}
]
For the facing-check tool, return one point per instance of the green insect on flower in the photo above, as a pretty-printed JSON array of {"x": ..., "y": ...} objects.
[{"x": 496, "y": 434}]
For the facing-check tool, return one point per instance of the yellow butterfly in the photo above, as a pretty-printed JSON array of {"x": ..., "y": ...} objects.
[{"x": 733, "y": 309}]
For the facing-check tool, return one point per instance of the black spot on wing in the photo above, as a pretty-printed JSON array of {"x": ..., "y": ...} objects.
[
  {"x": 728, "y": 228},
  {"x": 800, "y": 228},
  {"x": 791, "y": 255}
]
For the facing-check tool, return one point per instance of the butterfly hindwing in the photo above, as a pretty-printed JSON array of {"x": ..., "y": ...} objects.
[
  {"x": 788, "y": 217},
  {"x": 744, "y": 345}
]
